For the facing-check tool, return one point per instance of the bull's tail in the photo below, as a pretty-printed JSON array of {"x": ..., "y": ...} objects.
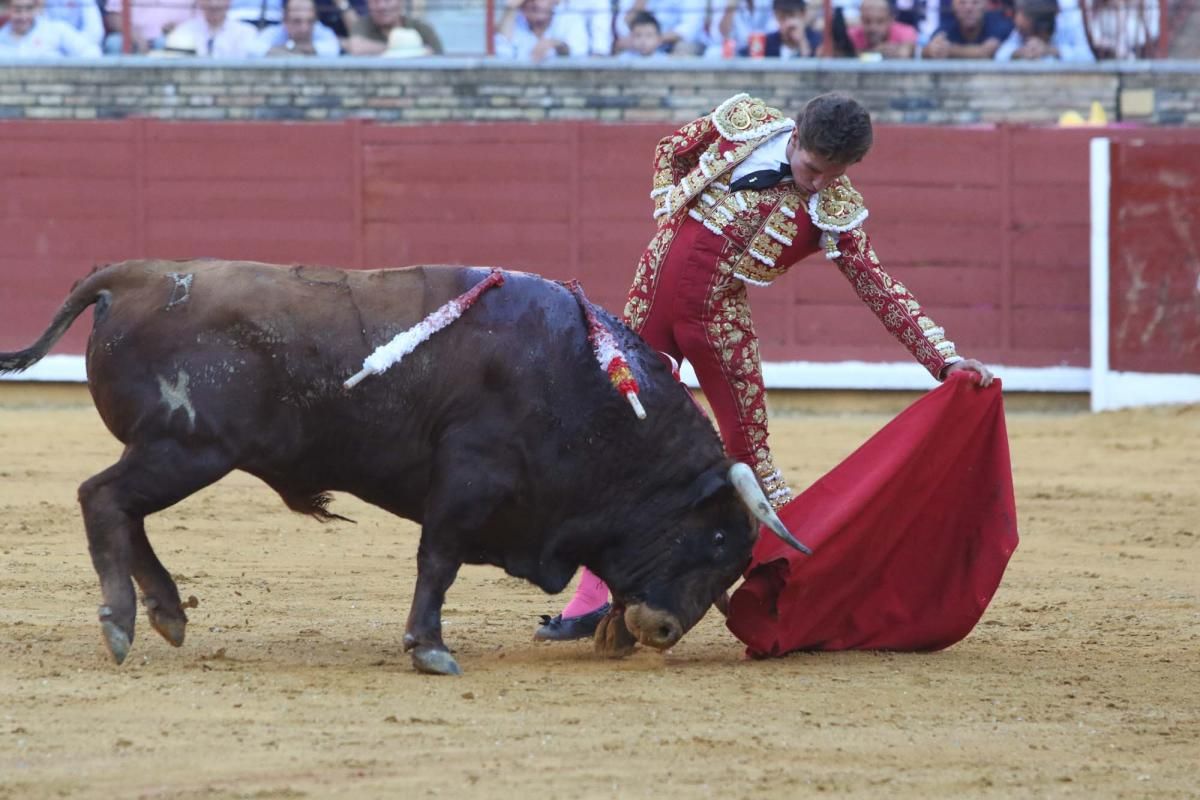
[{"x": 83, "y": 294}]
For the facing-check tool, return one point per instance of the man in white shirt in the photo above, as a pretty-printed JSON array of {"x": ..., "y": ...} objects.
[
  {"x": 214, "y": 33},
  {"x": 531, "y": 30},
  {"x": 1040, "y": 33},
  {"x": 597, "y": 18},
  {"x": 29, "y": 33},
  {"x": 299, "y": 35},
  {"x": 82, "y": 15}
]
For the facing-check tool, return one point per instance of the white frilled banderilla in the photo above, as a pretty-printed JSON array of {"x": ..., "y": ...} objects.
[
  {"x": 608, "y": 353},
  {"x": 604, "y": 345}
]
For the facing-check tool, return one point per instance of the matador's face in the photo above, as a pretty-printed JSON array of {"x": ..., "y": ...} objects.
[{"x": 810, "y": 171}]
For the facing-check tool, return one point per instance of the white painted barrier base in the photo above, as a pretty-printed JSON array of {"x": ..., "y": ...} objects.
[
  {"x": 1113, "y": 390},
  {"x": 57, "y": 369}
]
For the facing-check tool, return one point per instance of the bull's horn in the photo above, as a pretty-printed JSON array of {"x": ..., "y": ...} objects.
[{"x": 742, "y": 478}]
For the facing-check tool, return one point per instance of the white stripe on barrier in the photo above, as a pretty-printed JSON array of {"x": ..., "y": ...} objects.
[{"x": 1100, "y": 185}]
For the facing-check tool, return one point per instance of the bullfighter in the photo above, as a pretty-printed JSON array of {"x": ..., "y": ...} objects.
[{"x": 740, "y": 196}]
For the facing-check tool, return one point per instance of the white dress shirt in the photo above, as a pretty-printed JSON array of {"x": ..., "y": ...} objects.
[
  {"x": 47, "y": 38},
  {"x": 768, "y": 155},
  {"x": 233, "y": 39}
]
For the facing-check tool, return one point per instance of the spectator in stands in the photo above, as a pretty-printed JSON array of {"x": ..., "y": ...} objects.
[
  {"x": 927, "y": 16},
  {"x": 1037, "y": 36},
  {"x": 794, "y": 38},
  {"x": 82, "y": 15},
  {"x": 30, "y": 33},
  {"x": 532, "y": 30},
  {"x": 1123, "y": 29},
  {"x": 149, "y": 22},
  {"x": 645, "y": 38},
  {"x": 299, "y": 35},
  {"x": 340, "y": 16},
  {"x": 212, "y": 32},
  {"x": 369, "y": 35},
  {"x": 597, "y": 18},
  {"x": 738, "y": 20},
  {"x": 879, "y": 32},
  {"x": 972, "y": 31},
  {"x": 682, "y": 23}
]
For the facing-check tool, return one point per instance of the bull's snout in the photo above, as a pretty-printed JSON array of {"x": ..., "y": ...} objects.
[{"x": 653, "y": 627}]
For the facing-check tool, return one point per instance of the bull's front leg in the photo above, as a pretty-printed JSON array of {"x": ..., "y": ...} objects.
[{"x": 423, "y": 635}]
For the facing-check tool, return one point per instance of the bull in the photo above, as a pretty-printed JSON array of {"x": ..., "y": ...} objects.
[{"x": 499, "y": 436}]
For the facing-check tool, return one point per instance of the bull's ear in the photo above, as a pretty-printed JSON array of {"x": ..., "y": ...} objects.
[{"x": 709, "y": 483}]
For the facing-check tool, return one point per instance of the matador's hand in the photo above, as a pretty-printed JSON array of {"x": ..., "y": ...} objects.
[{"x": 985, "y": 374}]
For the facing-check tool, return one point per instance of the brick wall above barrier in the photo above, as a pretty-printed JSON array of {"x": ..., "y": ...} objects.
[{"x": 602, "y": 90}]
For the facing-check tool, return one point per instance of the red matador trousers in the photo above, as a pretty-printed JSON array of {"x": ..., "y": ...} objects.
[{"x": 686, "y": 302}]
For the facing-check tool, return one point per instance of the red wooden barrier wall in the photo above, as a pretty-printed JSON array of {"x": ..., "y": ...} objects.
[
  {"x": 1154, "y": 270},
  {"x": 987, "y": 226}
]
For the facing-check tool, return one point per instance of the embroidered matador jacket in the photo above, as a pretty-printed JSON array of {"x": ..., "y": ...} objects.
[{"x": 759, "y": 234}]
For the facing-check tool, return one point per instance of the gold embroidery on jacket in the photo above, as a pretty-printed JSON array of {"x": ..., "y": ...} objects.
[
  {"x": 645, "y": 278},
  {"x": 730, "y": 330},
  {"x": 895, "y": 306},
  {"x": 742, "y": 117},
  {"x": 838, "y": 207}
]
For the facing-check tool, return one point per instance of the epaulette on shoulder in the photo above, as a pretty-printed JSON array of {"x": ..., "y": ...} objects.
[
  {"x": 742, "y": 118},
  {"x": 838, "y": 207}
]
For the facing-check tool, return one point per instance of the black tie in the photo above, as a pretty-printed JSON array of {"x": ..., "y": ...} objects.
[{"x": 763, "y": 178}]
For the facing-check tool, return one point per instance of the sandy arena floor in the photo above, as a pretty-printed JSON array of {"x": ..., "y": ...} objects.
[{"x": 1082, "y": 680}]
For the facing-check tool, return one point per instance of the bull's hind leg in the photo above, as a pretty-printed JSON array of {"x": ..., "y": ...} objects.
[
  {"x": 160, "y": 595},
  {"x": 148, "y": 478}
]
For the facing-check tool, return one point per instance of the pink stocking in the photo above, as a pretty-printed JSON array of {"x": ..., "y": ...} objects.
[{"x": 589, "y": 595}]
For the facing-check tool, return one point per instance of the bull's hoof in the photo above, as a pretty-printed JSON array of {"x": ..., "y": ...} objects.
[
  {"x": 171, "y": 627},
  {"x": 116, "y": 640},
  {"x": 433, "y": 661},
  {"x": 613, "y": 639}
]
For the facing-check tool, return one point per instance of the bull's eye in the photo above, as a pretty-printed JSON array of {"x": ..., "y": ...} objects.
[{"x": 718, "y": 539}]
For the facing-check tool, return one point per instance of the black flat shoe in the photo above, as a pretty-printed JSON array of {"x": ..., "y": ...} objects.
[{"x": 564, "y": 629}]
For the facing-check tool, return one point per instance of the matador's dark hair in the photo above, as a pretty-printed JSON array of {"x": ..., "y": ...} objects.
[{"x": 835, "y": 127}]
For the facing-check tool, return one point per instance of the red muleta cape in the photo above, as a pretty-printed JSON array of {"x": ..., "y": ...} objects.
[{"x": 910, "y": 537}]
